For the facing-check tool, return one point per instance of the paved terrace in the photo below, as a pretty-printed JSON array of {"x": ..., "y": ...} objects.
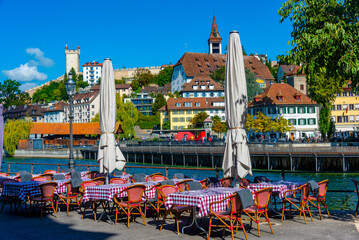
[{"x": 15, "y": 226}]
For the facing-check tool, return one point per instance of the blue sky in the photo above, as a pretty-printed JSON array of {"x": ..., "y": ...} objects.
[{"x": 131, "y": 33}]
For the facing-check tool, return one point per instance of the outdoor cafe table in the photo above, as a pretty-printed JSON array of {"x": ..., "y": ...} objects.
[
  {"x": 278, "y": 187},
  {"x": 24, "y": 189},
  {"x": 107, "y": 192},
  {"x": 201, "y": 199}
]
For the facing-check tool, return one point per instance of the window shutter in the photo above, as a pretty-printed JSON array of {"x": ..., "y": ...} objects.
[
  {"x": 294, "y": 108},
  {"x": 314, "y": 121},
  {"x": 295, "y": 121},
  {"x": 305, "y": 122},
  {"x": 313, "y": 109},
  {"x": 305, "y": 110}
]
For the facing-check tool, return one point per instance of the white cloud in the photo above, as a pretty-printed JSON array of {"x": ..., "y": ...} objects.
[
  {"x": 25, "y": 73},
  {"x": 39, "y": 55},
  {"x": 27, "y": 86}
]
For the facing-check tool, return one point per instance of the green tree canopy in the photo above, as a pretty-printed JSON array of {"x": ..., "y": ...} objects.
[
  {"x": 14, "y": 130},
  {"x": 253, "y": 87},
  {"x": 325, "y": 40},
  {"x": 197, "y": 120},
  {"x": 10, "y": 93},
  {"x": 160, "y": 101},
  {"x": 219, "y": 74},
  {"x": 164, "y": 76}
]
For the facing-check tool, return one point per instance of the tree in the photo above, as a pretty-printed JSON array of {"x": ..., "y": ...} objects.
[
  {"x": 262, "y": 123},
  {"x": 219, "y": 127},
  {"x": 325, "y": 40},
  {"x": 10, "y": 93},
  {"x": 216, "y": 118},
  {"x": 160, "y": 101},
  {"x": 253, "y": 87},
  {"x": 197, "y": 120},
  {"x": 164, "y": 76},
  {"x": 143, "y": 76},
  {"x": 135, "y": 85},
  {"x": 281, "y": 125},
  {"x": 14, "y": 130},
  {"x": 249, "y": 122},
  {"x": 219, "y": 74}
]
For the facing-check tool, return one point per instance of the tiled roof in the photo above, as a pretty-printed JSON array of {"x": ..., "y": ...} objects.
[
  {"x": 294, "y": 71},
  {"x": 89, "y": 95},
  {"x": 23, "y": 110},
  {"x": 92, "y": 64},
  {"x": 117, "y": 86},
  {"x": 280, "y": 90},
  {"x": 203, "y": 64},
  {"x": 159, "y": 89},
  {"x": 56, "y": 107},
  {"x": 288, "y": 68},
  {"x": 64, "y": 128},
  {"x": 200, "y": 81},
  {"x": 197, "y": 103}
]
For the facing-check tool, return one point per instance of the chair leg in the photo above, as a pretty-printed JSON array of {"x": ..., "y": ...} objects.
[
  {"x": 320, "y": 213},
  {"x": 257, "y": 221},
  {"x": 267, "y": 218},
  {"x": 310, "y": 213},
  {"x": 356, "y": 210},
  {"x": 244, "y": 230},
  {"x": 143, "y": 215},
  {"x": 282, "y": 212},
  {"x": 209, "y": 228},
  {"x": 303, "y": 211},
  {"x": 326, "y": 207},
  {"x": 164, "y": 218},
  {"x": 53, "y": 208}
]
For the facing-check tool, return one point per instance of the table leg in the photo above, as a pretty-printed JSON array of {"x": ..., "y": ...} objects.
[
  {"x": 105, "y": 212},
  {"x": 194, "y": 221}
]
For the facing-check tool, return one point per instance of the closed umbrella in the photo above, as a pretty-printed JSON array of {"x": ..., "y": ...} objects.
[
  {"x": 236, "y": 160},
  {"x": 1, "y": 133},
  {"x": 110, "y": 156}
]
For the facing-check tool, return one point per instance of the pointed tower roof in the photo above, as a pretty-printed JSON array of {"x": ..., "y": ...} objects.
[{"x": 214, "y": 36}]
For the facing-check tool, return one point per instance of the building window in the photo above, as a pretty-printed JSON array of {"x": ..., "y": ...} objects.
[
  {"x": 356, "y": 106},
  {"x": 352, "y": 118},
  {"x": 311, "y": 121},
  {"x": 301, "y": 87},
  {"x": 189, "y": 119},
  {"x": 350, "y": 93},
  {"x": 333, "y": 118},
  {"x": 301, "y": 110},
  {"x": 292, "y": 121},
  {"x": 174, "y": 119},
  {"x": 345, "y": 94},
  {"x": 291, "y": 110},
  {"x": 338, "y": 94},
  {"x": 198, "y": 104},
  {"x": 178, "y": 105},
  {"x": 92, "y": 106},
  {"x": 351, "y": 106},
  {"x": 357, "y": 118},
  {"x": 345, "y": 118},
  {"x": 339, "y": 107},
  {"x": 333, "y": 107},
  {"x": 181, "y": 112},
  {"x": 175, "y": 112},
  {"x": 345, "y": 106},
  {"x": 339, "y": 119},
  {"x": 301, "y": 121},
  {"x": 312, "y": 109},
  {"x": 188, "y": 104}
]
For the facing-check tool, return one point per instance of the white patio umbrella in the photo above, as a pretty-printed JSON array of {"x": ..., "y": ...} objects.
[
  {"x": 236, "y": 161},
  {"x": 110, "y": 156}
]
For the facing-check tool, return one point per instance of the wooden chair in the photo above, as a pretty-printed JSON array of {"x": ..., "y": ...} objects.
[
  {"x": 39, "y": 179},
  {"x": 92, "y": 202},
  {"x": 9, "y": 198},
  {"x": 356, "y": 183},
  {"x": 51, "y": 171},
  {"x": 48, "y": 176},
  {"x": 204, "y": 183},
  {"x": 67, "y": 198},
  {"x": 300, "y": 203},
  {"x": 319, "y": 198},
  {"x": 244, "y": 183},
  {"x": 99, "y": 180},
  {"x": 158, "y": 178},
  {"x": 134, "y": 193},
  {"x": 227, "y": 181},
  {"x": 261, "y": 200},
  {"x": 117, "y": 181},
  {"x": 182, "y": 184},
  {"x": 228, "y": 219},
  {"x": 164, "y": 191},
  {"x": 47, "y": 197},
  {"x": 92, "y": 174}
]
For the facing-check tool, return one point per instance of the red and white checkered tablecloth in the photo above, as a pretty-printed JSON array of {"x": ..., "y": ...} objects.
[
  {"x": 107, "y": 192},
  {"x": 24, "y": 189},
  {"x": 281, "y": 188},
  {"x": 201, "y": 199}
]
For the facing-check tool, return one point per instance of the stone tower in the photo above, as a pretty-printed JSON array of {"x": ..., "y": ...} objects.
[
  {"x": 72, "y": 59},
  {"x": 215, "y": 41}
]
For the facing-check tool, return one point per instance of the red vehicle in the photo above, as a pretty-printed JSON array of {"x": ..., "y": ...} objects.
[{"x": 190, "y": 136}]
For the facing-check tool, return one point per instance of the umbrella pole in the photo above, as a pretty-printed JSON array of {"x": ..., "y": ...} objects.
[{"x": 107, "y": 177}]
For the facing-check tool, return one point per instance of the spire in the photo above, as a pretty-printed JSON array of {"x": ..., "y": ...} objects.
[
  {"x": 66, "y": 47},
  {"x": 214, "y": 31},
  {"x": 215, "y": 41}
]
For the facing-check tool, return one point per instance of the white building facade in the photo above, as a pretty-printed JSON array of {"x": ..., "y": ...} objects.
[
  {"x": 85, "y": 107},
  {"x": 92, "y": 71}
]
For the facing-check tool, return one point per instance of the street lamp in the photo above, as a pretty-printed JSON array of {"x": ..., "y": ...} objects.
[{"x": 71, "y": 90}]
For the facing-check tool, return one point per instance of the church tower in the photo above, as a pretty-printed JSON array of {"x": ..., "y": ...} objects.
[
  {"x": 215, "y": 41},
  {"x": 72, "y": 59}
]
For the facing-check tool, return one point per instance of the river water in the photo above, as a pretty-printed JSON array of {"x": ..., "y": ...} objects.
[{"x": 335, "y": 200}]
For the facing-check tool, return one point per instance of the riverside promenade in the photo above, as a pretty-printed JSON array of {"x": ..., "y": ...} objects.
[{"x": 342, "y": 225}]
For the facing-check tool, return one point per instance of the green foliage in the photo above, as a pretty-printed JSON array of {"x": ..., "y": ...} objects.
[
  {"x": 122, "y": 81},
  {"x": 216, "y": 118},
  {"x": 127, "y": 114},
  {"x": 148, "y": 121},
  {"x": 273, "y": 70},
  {"x": 249, "y": 122},
  {"x": 14, "y": 130},
  {"x": 10, "y": 93},
  {"x": 144, "y": 77},
  {"x": 253, "y": 87},
  {"x": 160, "y": 101},
  {"x": 164, "y": 76},
  {"x": 281, "y": 125},
  {"x": 219, "y": 74},
  {"x": 135, "y": 85},
  {"x": 166, "y": 125},
  {"x": 197, "y": 120},
  {"x": 262, "y": 123},
  {"x": 325, "y": 39},
  {"x": 219, "y": 127}
]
